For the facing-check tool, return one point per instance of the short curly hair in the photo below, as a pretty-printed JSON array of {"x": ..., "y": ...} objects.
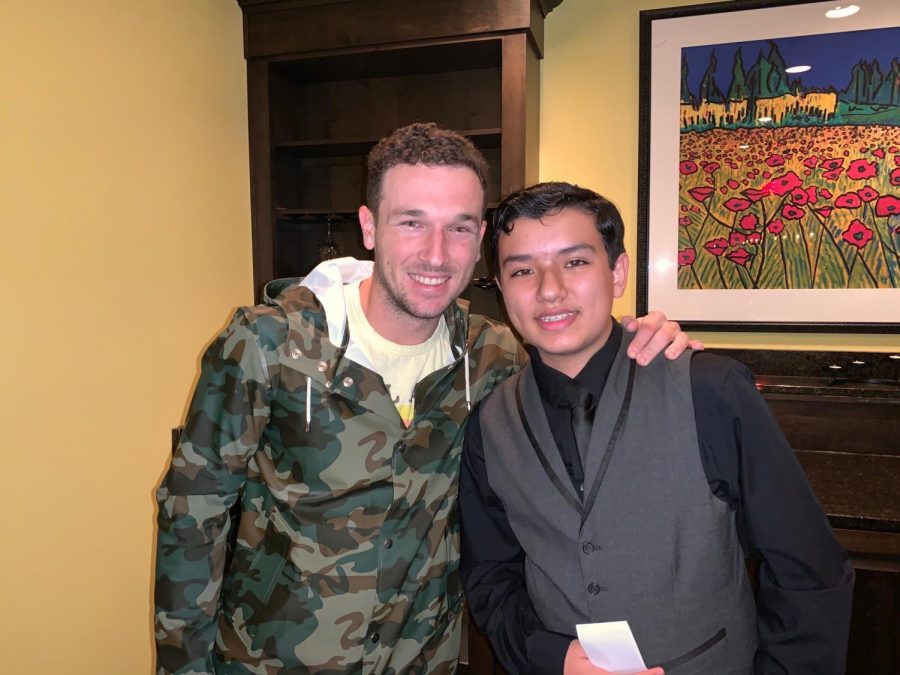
[
  {"x": 421, "y": 143},
  {"x": 547, "y": 199}
]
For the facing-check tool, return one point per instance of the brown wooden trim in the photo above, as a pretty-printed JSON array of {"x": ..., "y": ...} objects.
[
  {"x": 282, "y": 28},
  {"x": 260, "y": 174},
  {"x": 865, "y": 542}
]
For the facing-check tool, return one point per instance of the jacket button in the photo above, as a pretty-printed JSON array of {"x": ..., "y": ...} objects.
[
  {"x": 322, "y": 366},
  {"x": 388, "y": 543},
  {"x": 328, "y": 384},
  {"x": 587, "y": 547},
  {"x": 296, "y": 353},
  {"x": 375, "y": 638},
  {"x": 593, "y": 588},
  {"x": 348, "y": 381}
]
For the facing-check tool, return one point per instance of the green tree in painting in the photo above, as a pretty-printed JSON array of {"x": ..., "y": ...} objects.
[
  {"x": 778, "y": 83},
  {"x": 738, "y": 89},
  {"x": 686, "y": 96},
  {"x": 709, "y": 90}
]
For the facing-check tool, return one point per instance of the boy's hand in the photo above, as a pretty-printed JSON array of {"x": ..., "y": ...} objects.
[
  {"x": 653, "y": 334},
  {"x": 577, "y": 663}
]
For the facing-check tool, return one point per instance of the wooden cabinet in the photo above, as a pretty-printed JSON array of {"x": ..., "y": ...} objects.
[
  {"x": 841, "y": 414},
  {"x": 328, "y": 78}
]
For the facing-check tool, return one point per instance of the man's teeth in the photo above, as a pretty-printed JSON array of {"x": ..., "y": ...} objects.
[
  {"x": 430, "y": 281},
  {"x": 556, "y": 317}
]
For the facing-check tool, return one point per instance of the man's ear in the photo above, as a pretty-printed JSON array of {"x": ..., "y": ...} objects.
[
  {"x": 481, "y": 232},
  {"x": 620, "y": 275},
  {"x": 367, "y": 224}
]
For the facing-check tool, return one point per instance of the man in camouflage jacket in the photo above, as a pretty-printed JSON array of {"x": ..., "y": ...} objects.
[{"x": 347, "y": 548}]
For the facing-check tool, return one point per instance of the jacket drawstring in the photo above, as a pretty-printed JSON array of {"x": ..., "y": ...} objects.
[
  {"x": 468, "y": 393},
  {"x": 308, "y": 402}
]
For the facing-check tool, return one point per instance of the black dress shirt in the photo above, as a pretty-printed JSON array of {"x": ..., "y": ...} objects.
[{"x": 806, "y": 581}]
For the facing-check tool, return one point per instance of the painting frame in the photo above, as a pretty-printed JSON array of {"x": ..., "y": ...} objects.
[{"x": 838, "y": 310}]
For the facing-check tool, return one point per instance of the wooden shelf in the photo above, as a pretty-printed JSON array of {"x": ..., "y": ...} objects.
[
  {"x": 393, "y": 60},
  {"x": 319, "y": 215},
  {"x": 348, "y": 147},
  {"x": 325, "y": 83}
]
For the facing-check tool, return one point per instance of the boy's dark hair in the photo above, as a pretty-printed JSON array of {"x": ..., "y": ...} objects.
[
  {"x": 421, "y": 143},
  {"x": 547, "y": 199}
]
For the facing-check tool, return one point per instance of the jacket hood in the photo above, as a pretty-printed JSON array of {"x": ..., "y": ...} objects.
[{"x": 326, "y": 281}]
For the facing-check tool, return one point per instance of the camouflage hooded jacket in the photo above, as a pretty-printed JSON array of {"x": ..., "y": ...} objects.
[{"x": 348, "y": 547}]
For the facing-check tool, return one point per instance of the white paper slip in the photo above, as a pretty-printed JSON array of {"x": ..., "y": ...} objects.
[{"x": 611, "y": 645}]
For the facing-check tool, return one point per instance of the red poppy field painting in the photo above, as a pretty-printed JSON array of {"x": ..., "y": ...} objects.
[
  {"x": 789, "y": 181},
  {"x": 769, "y": 181}
]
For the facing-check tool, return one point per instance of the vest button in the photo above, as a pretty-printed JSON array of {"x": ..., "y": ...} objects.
[
  {"x": 388, "y": 543},
  {"x": 588, "y": 547},
  {"x": 375, "y": 638},
  {"x": 593, "y": 588}
]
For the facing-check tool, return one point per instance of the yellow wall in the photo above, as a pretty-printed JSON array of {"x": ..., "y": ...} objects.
[
  {"x": 588, "y": 137},
  {"x": 124, "y": 207},
  {"x": 124, "y": 203}
]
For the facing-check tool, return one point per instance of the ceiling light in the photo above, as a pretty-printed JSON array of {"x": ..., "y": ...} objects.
[
  {"x": 842, "y": 12},
  {"x": 764, "y": 119},
  {"x": 797, "y": 69}
]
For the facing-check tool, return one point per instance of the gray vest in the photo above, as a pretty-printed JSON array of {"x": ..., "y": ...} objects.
[{"x": 648, "y": 543}]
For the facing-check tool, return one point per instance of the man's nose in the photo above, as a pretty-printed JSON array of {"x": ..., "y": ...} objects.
[{"x": 435, "y": 251}]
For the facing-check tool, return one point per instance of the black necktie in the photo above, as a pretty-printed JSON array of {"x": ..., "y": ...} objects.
[{"x": 581, "y": 403}]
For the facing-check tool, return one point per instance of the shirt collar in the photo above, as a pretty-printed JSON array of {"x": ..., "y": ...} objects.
[{"x": 552, "y": 383}]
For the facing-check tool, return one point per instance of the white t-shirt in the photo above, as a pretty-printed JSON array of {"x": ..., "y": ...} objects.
[{"x": 400, "y": 366}]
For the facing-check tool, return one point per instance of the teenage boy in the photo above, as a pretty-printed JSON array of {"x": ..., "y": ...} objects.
[
  {"x": 334, "y": 413},
  {"x": 592, "y": 490}
]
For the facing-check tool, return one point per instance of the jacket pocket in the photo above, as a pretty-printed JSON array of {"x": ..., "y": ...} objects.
[
  {"x": 261, "y": 586},
  {"x": 696, "y": 652}
]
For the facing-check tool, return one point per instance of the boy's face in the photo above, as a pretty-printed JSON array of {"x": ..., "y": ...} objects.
[{"x": 558, "y": 286}]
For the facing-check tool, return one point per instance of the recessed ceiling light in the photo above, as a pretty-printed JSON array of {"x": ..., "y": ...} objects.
[
  {"x": 842, "y": 12},
  {"x": 797, "y": 69},
  {"x": 764, "y": 119},
  {"x": 744, "y": 147}
]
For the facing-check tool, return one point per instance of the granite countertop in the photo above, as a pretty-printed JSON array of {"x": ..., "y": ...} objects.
[
  {"x": 866, "y": 375},
  {"x": 854, "y": 393},
  {"x": 857, "y": 492},
  {"x": 825, "y": 386}
]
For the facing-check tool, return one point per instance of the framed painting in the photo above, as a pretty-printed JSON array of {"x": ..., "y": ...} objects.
[{"x": 769, "y": 169}]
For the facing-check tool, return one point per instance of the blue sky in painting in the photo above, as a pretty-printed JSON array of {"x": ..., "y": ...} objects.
[{"x": 831, "y": 56}]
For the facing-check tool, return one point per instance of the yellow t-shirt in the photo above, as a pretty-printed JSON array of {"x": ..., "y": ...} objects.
[{"x": 400, "y": 366}]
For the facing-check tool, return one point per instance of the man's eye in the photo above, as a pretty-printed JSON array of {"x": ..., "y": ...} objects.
[
  {"x": 410, "y": 223},
  {"x": 520, "y": 272},
  {"x": 577, "y": 262}
]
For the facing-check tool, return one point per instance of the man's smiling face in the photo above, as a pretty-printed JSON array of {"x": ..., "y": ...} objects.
[{"x": 426, "y": 237}]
